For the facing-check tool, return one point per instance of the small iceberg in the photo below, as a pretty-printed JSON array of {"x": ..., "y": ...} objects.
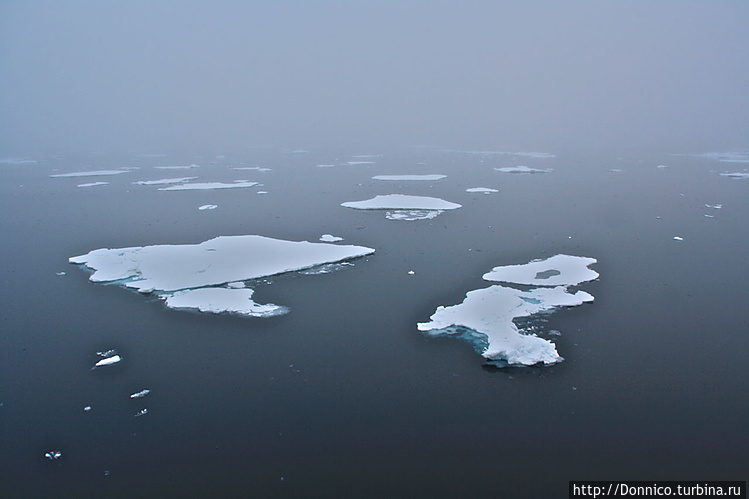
[
  {"x": 108, "y": 361},
  {"x": 97, "y": 173},
  {"x": 523, "y": 169},
  {"x": 239, "y": 184},
  {"x": 140, "y": 394},
  {"x": 409, "y": 177},
  {"x": 164, "y": 181},
  {"x": 484, "y": 190},
  {"x": 486, "y": 317}
]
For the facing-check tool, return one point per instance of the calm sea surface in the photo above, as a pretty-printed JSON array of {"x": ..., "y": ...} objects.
[{"x": 343, "y": 397}]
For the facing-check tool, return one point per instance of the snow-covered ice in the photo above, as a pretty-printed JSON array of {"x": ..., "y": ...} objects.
[
  {"x": 164, "y": 181},
  {"x": 208, "y": 207},
  {"x": 735, "y": 174},
  {"x": 187, "y": 276},
  {"x": 523, "y": 169},
  {"x": 330, "y": 238},
  {"x": 200, "y": 186},
  {"x": 411, "y": 215},
  {"x": 178, "y": 167},
  {"x": 678, "y": 238},
  {"x": 484, "y": 190},
  {"x": 108, "y": 361},
  {"x": 140, "y": 394},
  {"x": 409, "y": 177},
  {"x": 486, "y": 316},
  {"x": 402, "y": 202},
  {"x": 97, "y": 173},
  {"x": 714, "y": 206},
  {"x": 93, "y": 184}
]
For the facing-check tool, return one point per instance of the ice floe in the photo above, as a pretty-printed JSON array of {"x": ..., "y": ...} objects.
[
  {"x": 402, "y": 202},
  {"x": 409, "y": 177},
  {"x": 53, "y": 454},
  {"x": 678, "y": 238},
  {"x": 330, "y": 238},
  {"x": 203, "y": 276},
  {"x": 140, "y": 394},
  {"x": 178, "y": 167},
  {"x": 201, "y": 186},
  {"x": 142, "y": 412},
  {"x": 97, "y": 173},
  {"x": 164, "y": 181},
  {"x": 93, "y": 184},
  {"x": 208, "y": 207},
  {"x": 486, "y": 316},
  {"x": 17, "y": 161},
  {"x": 108, "y": 361},
  {"x": 256, "y": 168},
  {"x": 714, "y": 206},
  {"x": 735, "y": 174},
  {"x": 523, "y": 169},
  {"x": 360, "y": 162},
  {"x": 484, "y": 190}
]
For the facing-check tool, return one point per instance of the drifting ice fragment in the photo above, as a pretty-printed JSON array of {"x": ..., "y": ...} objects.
[
  {"x": 61, "y": 273},
  {"x": 329, "y": 238},
  {"x": 87, "y": 408},
  {"x": 107, "y": 353},
  {"x": 164, "y": 181},
  {"x": 97, "y": 173},
  {"x": 568, "y": 271},
  {"x": 409, "y": 177},
  {"x": 223, "y": 300},
  {"x": 141, "y": 412},
  {"x": 140, "y": 394},
  {"x": 53, "y": 454},
  {"x": 411, "y": 215},
  {"x": 735, "y": 174},
  {"x": 208, "y": 207},
  {"x": 402, "y": 202},
  {"x": 485, "y": 190},
  {"x": 108, "y": 361},
  {"x": 93, "y": 184},
  {"x": 677, "y": 238},
  {"x": 524, "y": 169},
  {"x": 208, "y": 186},
  {"x": 714, "y": 206}
]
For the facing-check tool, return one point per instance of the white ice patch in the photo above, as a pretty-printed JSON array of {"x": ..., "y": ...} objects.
[
  {"x": 93, "y": 184},
  {"x": 485, "y": 190},
  {"x": 714, "y": 206},
  {"x": 486, "y": 317},
  {"x": 97, "y": 173},
  {"x": 178, "y": 167},
  {"x": 411, "y": 215},
  {"x": 186, "y": 276},
  {"x": 360, "y": 162},
  {"x": 108, "y": 361},
  {"x": 256, "y": 168},
  {"x": 678, "y": 238},
  {"x": 523, "y": 169},
  {"x": 164, "y": 181},
  {"x": 208, "y": 207},
  {"x": 140, "y": 394},
  {"x": 17, "y": 161},
  {"x": 735, "y": 174},
  {"x": 53, "y": 454},
  {"x": 330, "y": 238},
  {"x": 208, "y": 186},
  {"x": 402, "y": 202},
  {"x": 409, "y": 177}
]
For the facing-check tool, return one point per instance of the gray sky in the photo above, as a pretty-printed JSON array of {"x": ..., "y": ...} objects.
[{"x": 91, "y": 75}]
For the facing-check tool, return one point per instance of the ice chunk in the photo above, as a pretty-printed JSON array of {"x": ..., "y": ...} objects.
[
  {"x": 208, "y": 186},
  {"x": 142, "y": 412},
  {"x": 678, "y": 238},
  {"x": 107, "y": 353},
  {"x": 164, "y": 181},
  {"x": 329, "y": 238},
  {"x": 325, "y": 268},
  {"x": 662, "y": 166},
  {"x": 411, "y": 215},
  {"x": 523, "y": 169},
  {"x": 485, "y": 190},
  {"x": 93, "y": 184},
  {"x": 140, "y": 394},
  {"x": 257, "y": 168},
  {"x": 87, "y": 408},
  {"x": 557, "y": 270},
  {"x": 61, "y": 273},
  {"x": 53, "y": 454},
  {"x": 409, "y": 177},
  {"x": 108, "y": 361},
  {"x": 714, "y": 206},
  {"x": 402, "y": 202},
  {"x": 178, "y": 167},
  {"x": 223, "y": 300},
  {"x": 208, "y": 207},
  {"x": 735, "y": 174},
  {"x": 97, "y": 173},
  {"x": 325, "y": 166},
  {"x": 361, "y": 162}
]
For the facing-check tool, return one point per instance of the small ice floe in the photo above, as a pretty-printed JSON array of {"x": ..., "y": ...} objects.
[
  {"x": 256, "y": 168},
  {"x": 486, "y": 317},
  {"x": 17, "y": 161},
  {"x": 177, "y": 167},
  {"x": 735, "y": 174},
  {"x": 483, "y": 190},
  {"x": 87, "y": 408},
  {"x": 53, "y": 454},
  {"x": 164, "y": 181},
  {"x": 714, "y": 206},
  {"x": 411, "y": 272},
  {"x": 201, "y": 186},
  {"x": 108, "y": 361},
  {"x": 360, "y": 163},
  {"x": 330, "y": 238},
  {"x": 409, "y": 177},
  {"x": 140, "y": 394},
  {"x": 262, "y": 192},
  {"x": 61, "y": 273},
  {"x": 325, "y": 166},
  {"x": 195, "y": 276},
  {"x": 141, "y": 412},
  {"x": 662, "y": 166},
  {"x": 93, "y": 184},
  {"x": 407, "y": 207},
  {"x": 97, "y": 173},
  {"x": 616, "y": 170},
  {"x": 523, "y": 169},
  {"x": 208, "y": 207},
  {"x": 678, "y": 238},
  {"x": 236, "y": 285}
]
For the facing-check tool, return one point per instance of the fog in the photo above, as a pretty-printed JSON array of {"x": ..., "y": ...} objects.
[{"x": 168, "y": 74}]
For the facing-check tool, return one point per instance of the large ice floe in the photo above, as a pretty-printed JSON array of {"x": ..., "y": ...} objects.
[
  {"x": 486, "y": 317},
  {"x": 210, "y": 276},
  {"x": 404, "y": 207}
]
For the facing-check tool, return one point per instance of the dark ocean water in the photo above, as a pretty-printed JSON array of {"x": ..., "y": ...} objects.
[{"x": 343, "y": 397}]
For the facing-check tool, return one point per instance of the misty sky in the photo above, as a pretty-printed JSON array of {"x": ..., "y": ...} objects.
[{"x": 91, "y": 75}]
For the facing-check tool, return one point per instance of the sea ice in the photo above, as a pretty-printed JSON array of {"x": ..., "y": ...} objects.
[
  {"x": 108, "y": 361},
  {"x": 678, "y": 238},
  {"x": 735, "y": 174},
  {"x": 208, "y": 207},
  {"x": 142, "y": 412},
  {"x": 93, "y": 184},
  {"x": 140, "y": 394},
  {"x": 179, "y": 167},
  {"x": 361, "y": 162},
  {"x": 98, "y": 173},
  {"x": 164, "y": 181},
  {"x": 409, "y": 177},
  {"x": 485, "y": 190},
  {"x": 714, "y": 206},
  {"x": 53, "y": 454},
  {"x": 523, "y": 169},
  {"x": 486, "y": 316},
  {"x": 402, "y": 202},
  {"x": 187, "y": 276},
  {"x": 208, "y": 185},
  {"x": 411, "y": 215},
  {"x": 330, "y": 238},
  {"x": 257, "y": 168}
]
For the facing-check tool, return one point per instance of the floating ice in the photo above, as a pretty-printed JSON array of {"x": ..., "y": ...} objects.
[
  {"x": 140, "y": 394},
  {"x": 208, "y": 207},
  {"x": 87, "y": 408},
  {"x": 178, "y": 167},
  {"x": 678, "y": 238},
  {"x": 485, "y": 190},
  {"x": 662, "y": 166},
  {"x": 402, "y": 202},
  {"x": 142, "y": 412},
  {"x": 330, "y": 238},
  {"x": 257, "y": 168},
  {"x": 53, "y": 454},
  {"x": 208, "y": 185},
  {"x": 164, "y": 181},
  {"x": 409, "y": 177},
  {"x": 61, "y": 273},
  {"x": 98, "y": 173},
  {"x": 735, "y": 174},
  {"x": 558, "y": 270},
  {"x": 17, "y": 161},
  {"x": 93, "y": 184},
  {"x": 325, "y": 166},
  {"x": 361, "y": 162},
  {"x": 108, "y": 361},
  {"x": 714, "y": 206},
  {"x": 411, "y": 215},
  {"x": 326, "y": 268},
  {"x": 186, "y": 276},
  {"x": 486, "y": 317},
  {"x": 262, "y": 192},
  {"x": 523, "y": 169}
]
